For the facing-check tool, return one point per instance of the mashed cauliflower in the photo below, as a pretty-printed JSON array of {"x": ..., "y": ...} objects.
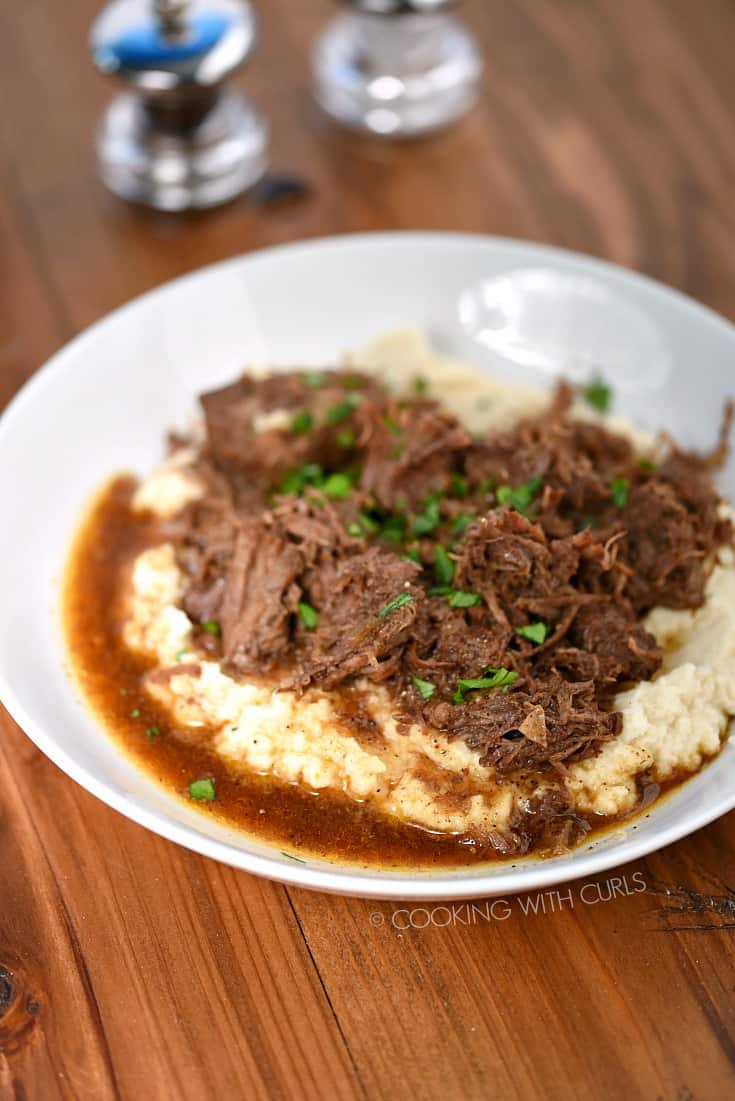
[{"x": 670, "y": 724}]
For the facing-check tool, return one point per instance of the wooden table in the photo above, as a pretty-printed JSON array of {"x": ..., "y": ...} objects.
[{"x": 132, "y": 969}]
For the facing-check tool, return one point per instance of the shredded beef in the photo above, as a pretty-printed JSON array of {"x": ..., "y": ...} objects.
[{"x": 496, "y": 586}]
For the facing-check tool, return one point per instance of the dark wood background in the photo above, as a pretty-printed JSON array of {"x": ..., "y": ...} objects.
[{"x": 132, "y": 969}]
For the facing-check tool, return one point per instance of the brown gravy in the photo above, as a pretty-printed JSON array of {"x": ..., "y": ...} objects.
[{"x": 325, "y": 824}]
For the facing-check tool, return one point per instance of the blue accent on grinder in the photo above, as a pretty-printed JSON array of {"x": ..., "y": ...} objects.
[{"x": 145, "y": 46}]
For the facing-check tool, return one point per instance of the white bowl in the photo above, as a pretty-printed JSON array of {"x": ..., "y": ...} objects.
[{"x": 102, "y": 404}]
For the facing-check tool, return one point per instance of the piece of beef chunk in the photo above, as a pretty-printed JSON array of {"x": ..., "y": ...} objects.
[
  {"x": 259, "y": 429},
  {"x": 367, "y": 604},
  {"x": 410, "y": 451},
  {"x": 548, "y": 721},
  {"x": 260, "y": 595},
  {"x": 605, "y": 643},
  {"x": 665, "y": 547}
]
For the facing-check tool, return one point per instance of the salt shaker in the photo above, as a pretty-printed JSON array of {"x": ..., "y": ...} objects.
[
  {"x": 178, "y": 137},
  {"x": 396, "y": 67}
]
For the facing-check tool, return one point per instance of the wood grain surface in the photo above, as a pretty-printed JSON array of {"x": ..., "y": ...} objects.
[{"x": 132, "y": 969}]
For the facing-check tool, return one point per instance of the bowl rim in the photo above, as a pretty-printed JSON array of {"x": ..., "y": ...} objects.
[{"x": 350, "y": 879}]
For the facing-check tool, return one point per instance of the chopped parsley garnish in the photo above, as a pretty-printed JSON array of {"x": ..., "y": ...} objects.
[
  {"x": 461, "y": 522},
  {"x": 302, "y": 423},
  {"x": 337, "y": 487},
  {"x": 619, "y": 492},
  {"x": 394, "y": 528},
  {"x": 534, "y": 632},
  {"x": 459, "y": 599},
  {"x": 212, "y": 627},
  {"x": 346, "y": 438},
  {"x": 202, "y": 790},
  {"x": 440, "y": 590},
  {"x": 179, "y": 655},
  {"x": 296, "y": 481},
  {"x": 519, "y": 497},
  {"x": 399, "y": 601},
  {"x": 424, "y": 687},
  {"x": 342, "y": 410},
  {"x": 443, "y": 566},
  {"x": 309, "y": 616},
  {"x": 420, "y": 386},
  {"x": 396, "y": 451},
  {"x": 411, "y": 555},
  {"x": 425, "y": 521},
  {"x": 135, "y": 713},
  {"x": 363, "y": 525},
  {"x": 393, "y": 426},
  {"x": 459, "y": 485},
  {"x": 487, "y": 485},
  {"x": 152, "y": 733},
  {"x": 314, "y": 379},
  {"x": 646, "y": 464},
  {"x": 494, "y": 678},
  {"x": 598, "y": 394},
  {"x": 291, "y": 856}
]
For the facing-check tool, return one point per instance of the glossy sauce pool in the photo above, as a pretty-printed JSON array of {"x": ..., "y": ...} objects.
[{"x": 325, "y": 824}]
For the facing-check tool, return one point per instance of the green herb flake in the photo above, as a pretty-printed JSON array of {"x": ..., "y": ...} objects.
[
  {"x": 363, "y": 526},
  {"x": 425, "y": 522},
  {"x": 314, "y": 379},
  {"x": 309, "y": 616},
  {"x": 337, "y": 487},
  {"x": 459, "y": 485},
  {"x": 459, "y": 599},
  {"x": 646, "y": 464},
  {"x": 296, "y": 481},
  {"x": 424, "y": 687},
  {"x": 396, "y": 451},
  {"x": 290, "y": 856},
  {"x": 534, "y": 632},
  {"x": 212, "y": 627},
  {"x": 619, "y": 488},
  {"x": 342, "y": 410},
  {"x": 202, "y": 790},
  {"x": 440, "y": 590},
  {"x": 393, "y": 426},
  {"x": 152, "y": 733},
  {"x": 519, "y": 497},
  {"x": 411, "y": 555},
  {"x": 180, "y": 655},
  {"x": 399, "y": 601},
  {"x": 420, "y": 386},
  {"x": 346, "y": 438},
  {"x": 494, "y": 678},
  {"x": 394, "y": 528},
  {"x": 135, "y": 713},
  {"x": 302, "y": 423},
  {"x": 461, "y": 522},
  {"x": 598, "y": 394},
  {"x": 443, "y": 566},
  {"x": 123, "y": 691}
]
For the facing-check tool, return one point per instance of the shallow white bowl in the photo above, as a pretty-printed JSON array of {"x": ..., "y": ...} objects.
[{"x": 102, "y": 405}]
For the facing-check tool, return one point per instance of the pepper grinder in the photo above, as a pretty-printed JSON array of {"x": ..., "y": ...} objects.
[
  {"x": 177, "y": 138},
  {"x": 396, "y": 67}
]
